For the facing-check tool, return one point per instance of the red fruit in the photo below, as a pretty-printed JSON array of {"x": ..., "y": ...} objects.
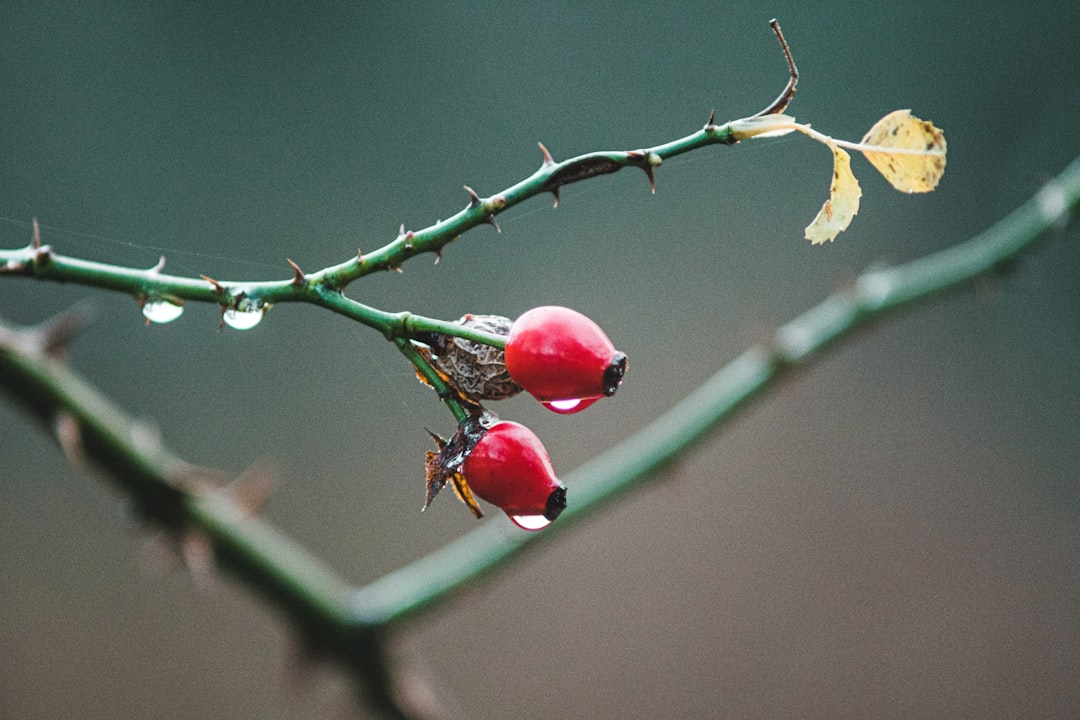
[
  {"x": 563, "y": 358},
  {"x": 510, "y": 468}
]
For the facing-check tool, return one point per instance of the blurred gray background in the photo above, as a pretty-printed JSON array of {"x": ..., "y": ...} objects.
[{"x": 893, "y": 533}]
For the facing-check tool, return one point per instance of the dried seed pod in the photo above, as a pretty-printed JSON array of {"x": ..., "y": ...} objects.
[{"x": 478, "y": 370}]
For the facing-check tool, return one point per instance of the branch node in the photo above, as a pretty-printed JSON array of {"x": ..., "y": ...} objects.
[{"x": 495, "y": 203}]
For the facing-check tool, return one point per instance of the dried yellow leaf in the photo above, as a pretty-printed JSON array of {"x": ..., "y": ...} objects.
[
  {"x": 843, "y": 203},
  {"x": 465, "y": 494},
  {"x": 909, "y": 152}
]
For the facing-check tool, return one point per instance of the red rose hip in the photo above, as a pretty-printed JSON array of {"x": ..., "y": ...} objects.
[
  {"x": 510, "y": 468},
  {"x": 563, "y": 358}
]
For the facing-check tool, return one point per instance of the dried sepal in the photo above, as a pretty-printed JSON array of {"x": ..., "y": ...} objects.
[
  {"x": 465, "y": 495},
  {"x": 444, "y": 465}
]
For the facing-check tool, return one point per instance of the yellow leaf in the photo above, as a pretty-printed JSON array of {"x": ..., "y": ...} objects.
[
  {"x": 843, "y": 203},
  {"x": 917, "y": 158}
]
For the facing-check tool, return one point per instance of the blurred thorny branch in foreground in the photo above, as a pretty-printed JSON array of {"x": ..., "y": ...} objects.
[{"x": 352, "y": 624}]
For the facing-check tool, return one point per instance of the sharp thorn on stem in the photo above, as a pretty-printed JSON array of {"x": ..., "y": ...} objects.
[
  {"x": 474, "y": 199},
  {"x": 69, "y": 437},
  {"x": 555, "y": 193},
  {"x": 219, "y": 289},
  {"x": 712, "y": 118},
  {"x": 298, "y": 274},
  {"x": 198, "y": 554},
  {"x": 54, "y": 336},
  {"x": 159, "y": 266},
  {"x": 493, "y": 223},
  {"x": 548, "y": 160},
  {"x": 35, "y": 238}
]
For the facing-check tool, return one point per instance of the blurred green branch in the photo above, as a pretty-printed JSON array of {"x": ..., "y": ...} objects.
[{"x": 349, "y": 622}]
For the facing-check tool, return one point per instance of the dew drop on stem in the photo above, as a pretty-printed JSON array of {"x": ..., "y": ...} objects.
[
  {"x": 161, "y": 311},
  {"x": 242, "y": 319}
]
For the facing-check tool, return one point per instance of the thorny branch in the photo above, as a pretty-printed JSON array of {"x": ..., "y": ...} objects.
[{"x": 326, "y": 287}]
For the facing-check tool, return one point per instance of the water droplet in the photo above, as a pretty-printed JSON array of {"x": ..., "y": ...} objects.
[
  {"x": 530, "y": 522},
  {"x": 161, "y": 311},
  {"x": 242, "y": 319},
  {"x": 569, "y": 405}
]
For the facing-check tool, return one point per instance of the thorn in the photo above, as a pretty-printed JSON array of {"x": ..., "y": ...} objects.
[
  {"x": 69, "y": 436},
  {"x": 438, "y": 255},
  {"x": 252, "y": 488},
  {"x": 159, "y": 266},
  {"x": 555, "y": 192},
  {"x": 219, "y": 289},
  {"x": 652, "y": 180},
  {"x": 398, "y": 270},
  {"x": 35, "y": 239},
  {"x": 474, "y": 199},
  {"x": 55, "y": 335},
  {"x": 298, "y": 274},
  {"x": 401, "y": 230},
  {"x": 547, "y": 156},
  {"x": 493, "y": 223},
  {"x": 198, "y": 555},
  {"x": 359, "y": 255},
  {"x": 712, "y": 118}
]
